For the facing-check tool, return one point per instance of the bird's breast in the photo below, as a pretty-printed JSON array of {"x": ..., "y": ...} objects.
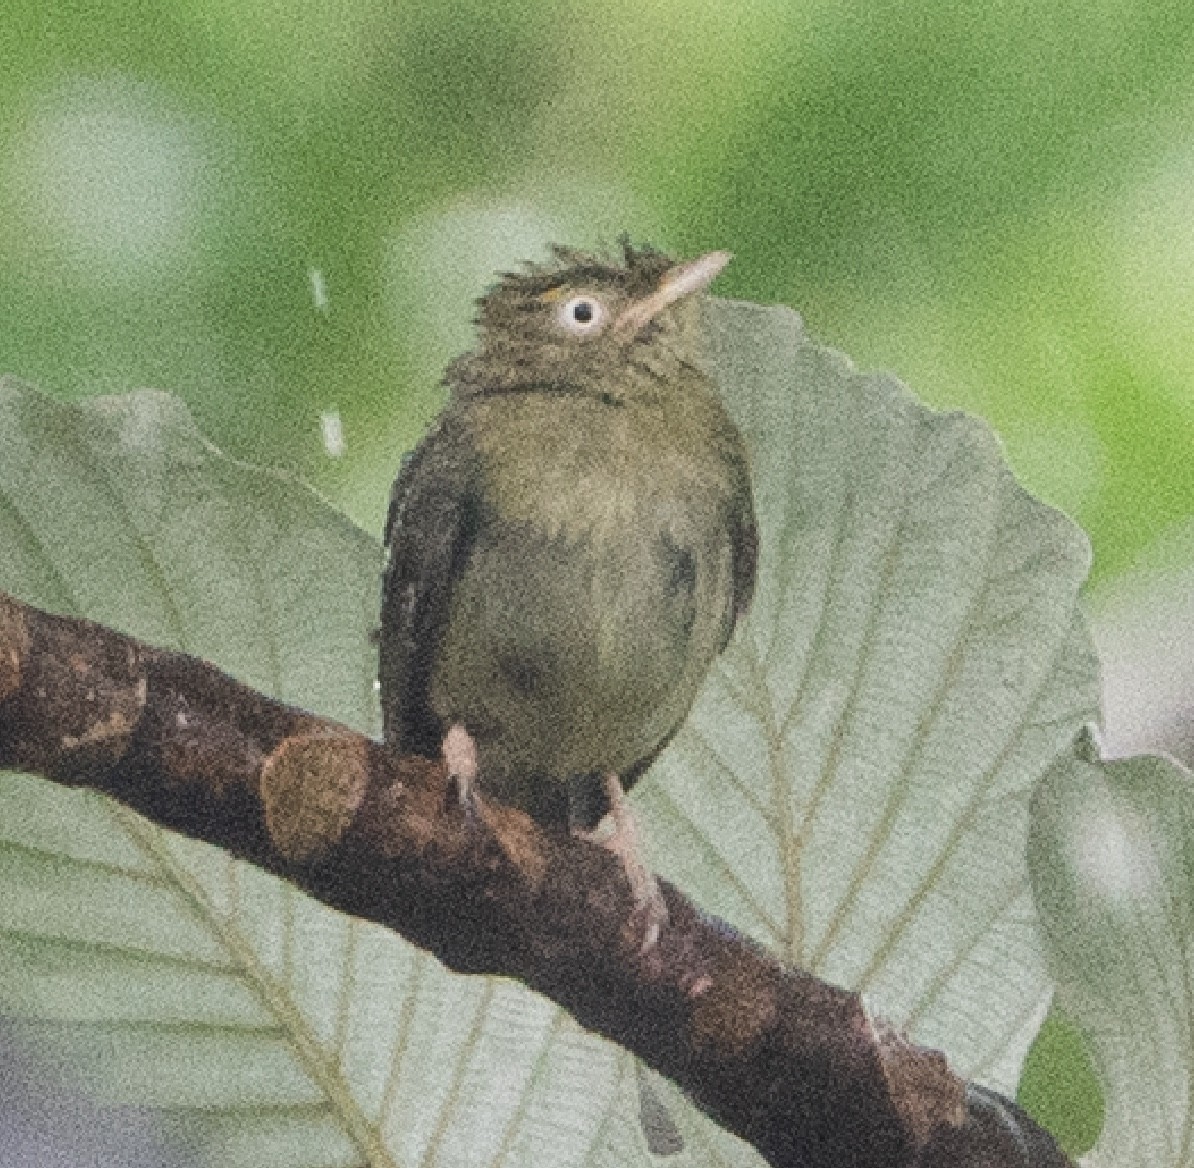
[
  {"x": 594, "y": 598},
  {"x": 578, "y": 469}
]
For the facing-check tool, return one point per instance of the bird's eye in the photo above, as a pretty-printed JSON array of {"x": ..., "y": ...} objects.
[{"x": 582, "y": 314}]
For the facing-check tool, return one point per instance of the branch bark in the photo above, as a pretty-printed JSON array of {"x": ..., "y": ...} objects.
[{"x": 793, "y": 1065}]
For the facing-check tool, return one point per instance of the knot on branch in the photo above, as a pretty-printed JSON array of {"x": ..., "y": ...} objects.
[
  {"x": 75, "y": 693},
  {"x": 311, "y": 788},
  {"x": 926, "y": 1094}
]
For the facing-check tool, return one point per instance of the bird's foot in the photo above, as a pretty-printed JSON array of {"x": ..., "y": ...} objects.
[
  {"x": 460, "y": 758},
  {"x": 650, "y": 909},
  {"x": 618, "y": 833}
]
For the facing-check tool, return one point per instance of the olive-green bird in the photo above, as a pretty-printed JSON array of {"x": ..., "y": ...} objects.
[{"x": 570, "y": 546}]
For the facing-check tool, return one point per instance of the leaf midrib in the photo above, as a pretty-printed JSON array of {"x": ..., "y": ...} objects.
[{"x": 303, "y": 1041}]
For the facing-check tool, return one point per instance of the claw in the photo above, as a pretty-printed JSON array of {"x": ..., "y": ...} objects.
[
  {"x": 460, "y": 757},
  {"x": 619, "y": 833}
]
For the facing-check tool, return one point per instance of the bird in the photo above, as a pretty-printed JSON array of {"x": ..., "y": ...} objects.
[{"x": 569, "y": 547}]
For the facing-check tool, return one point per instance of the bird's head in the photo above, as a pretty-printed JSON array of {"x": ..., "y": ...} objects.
[{"x": 584, "y": 324}]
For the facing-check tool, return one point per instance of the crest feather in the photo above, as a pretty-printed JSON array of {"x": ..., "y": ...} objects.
[{"x": 639, "y": 270}]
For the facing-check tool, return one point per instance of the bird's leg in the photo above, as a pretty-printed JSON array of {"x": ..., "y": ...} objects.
[
  {"x": 618, "y": 832},
  {"x": 460, "y": 758}
]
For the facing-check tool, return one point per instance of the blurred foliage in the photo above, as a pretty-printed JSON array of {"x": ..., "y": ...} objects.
[
  {"x": 282, "y": 210},
  {"x": 994, "y": 201}
]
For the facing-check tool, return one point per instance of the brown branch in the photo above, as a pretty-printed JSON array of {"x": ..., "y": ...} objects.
[{"x": 787, "y": 1062}]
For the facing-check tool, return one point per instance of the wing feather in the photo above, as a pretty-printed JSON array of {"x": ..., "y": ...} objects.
[{"x": 430, "y": 530}]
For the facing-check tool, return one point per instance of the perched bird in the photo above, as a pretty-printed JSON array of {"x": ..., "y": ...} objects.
[{"x": 570, "y": 546}]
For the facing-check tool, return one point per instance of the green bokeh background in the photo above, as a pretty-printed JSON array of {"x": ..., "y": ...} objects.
[{"x": 281, "y": 211}]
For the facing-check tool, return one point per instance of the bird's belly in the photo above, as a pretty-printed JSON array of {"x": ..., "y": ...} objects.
[{"x": 566, "y": 656}]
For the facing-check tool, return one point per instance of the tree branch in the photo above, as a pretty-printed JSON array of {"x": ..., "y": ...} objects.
[{"x": 793, "y": 1065}]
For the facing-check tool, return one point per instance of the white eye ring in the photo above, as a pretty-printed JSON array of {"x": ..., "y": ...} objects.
[{"x": 582, "y": 314}]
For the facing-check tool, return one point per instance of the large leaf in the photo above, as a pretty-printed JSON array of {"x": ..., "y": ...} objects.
[
  {"x": 852, "y": 788},
  {"x": 1112, "y": 856},
  {"x": 272, "y": 1030}
]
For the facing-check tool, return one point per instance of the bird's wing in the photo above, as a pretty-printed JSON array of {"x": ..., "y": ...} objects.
[
  {"x": 429, "y": 532},
  {"x": 744, "y": 537},
  {"x": 745, "y": 542}
]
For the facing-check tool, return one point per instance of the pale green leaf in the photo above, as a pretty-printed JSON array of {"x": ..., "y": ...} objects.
[
  {"x": 1112, "y": 856},
  {"x": 269, "y": 1029},
  {"x": 852, "y": 788}
]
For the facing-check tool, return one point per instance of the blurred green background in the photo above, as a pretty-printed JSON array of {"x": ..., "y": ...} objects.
[{"x": 281, "y": 211}]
